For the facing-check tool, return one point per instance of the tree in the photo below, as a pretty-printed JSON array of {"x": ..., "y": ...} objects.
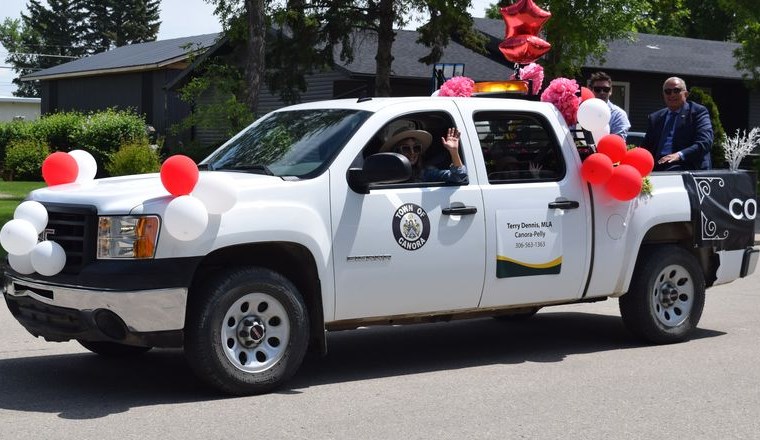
[
  {"x": 580, "y": 29},
  {"x": 43, "y": 38},
  {"x": 62, "y": 30},
  {"x": 115, "y": 23},
  {"x": 305, "y": 34}
]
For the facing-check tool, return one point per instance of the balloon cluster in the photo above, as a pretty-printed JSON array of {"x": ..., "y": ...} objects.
[
  {"x": 196, "y": 196},
  {"x": 624, "y": 181},
  {"x": 524, "y": 20},
  {"x": 19, "y": 237},
  {"x": 74, "y": 166}
]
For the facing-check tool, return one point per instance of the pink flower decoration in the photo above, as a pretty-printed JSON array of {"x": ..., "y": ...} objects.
[
  {"x": 562, "y": 93},
  {"x": 457, "y": 86},
  {"x": 533, "y": 72}
]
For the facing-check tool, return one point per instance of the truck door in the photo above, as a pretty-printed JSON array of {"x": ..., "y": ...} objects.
[
  {"x": 414, "y": 247},
  {"x": 537, "y": 222}
]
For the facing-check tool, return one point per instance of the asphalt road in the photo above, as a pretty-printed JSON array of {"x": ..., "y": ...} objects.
[{"x": 571, "y": 372}]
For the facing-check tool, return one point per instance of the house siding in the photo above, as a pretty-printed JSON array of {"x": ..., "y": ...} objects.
[
  {"x": 754, "y": 109},
  {"x": 318, "y": 87}
]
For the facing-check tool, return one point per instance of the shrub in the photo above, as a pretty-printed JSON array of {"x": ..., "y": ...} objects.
[
  {"x": 105, "y": 132},
  {"x": 60, "y": 130},
  {"x": 14, "y": 131},
  {"x": 701, "y": 97},
  {"x": 23, "y": 159},
  {"x": 134, "y": 158}
]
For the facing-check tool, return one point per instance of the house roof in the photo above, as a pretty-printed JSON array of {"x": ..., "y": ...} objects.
[
  {"x": 672, "y": 55},
  {"x": 406, "y": 53},
  {"x": 653, "y": 53},
  {"x": 134, "y": 57}
]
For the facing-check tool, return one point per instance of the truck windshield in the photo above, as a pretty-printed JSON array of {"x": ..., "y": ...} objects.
[{"x": 290, "y": 143}]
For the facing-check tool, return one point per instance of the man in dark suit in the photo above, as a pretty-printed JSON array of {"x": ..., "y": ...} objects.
[{"x": 679, "y": 136}]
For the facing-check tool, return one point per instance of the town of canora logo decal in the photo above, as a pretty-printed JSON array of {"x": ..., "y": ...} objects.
[{"x": 411, "y": 226}]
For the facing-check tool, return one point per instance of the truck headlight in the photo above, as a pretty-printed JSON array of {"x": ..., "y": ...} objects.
[{"x": 127, "y": 236}]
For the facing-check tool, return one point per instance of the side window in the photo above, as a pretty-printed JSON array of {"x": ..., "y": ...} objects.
[
  {"x": 417, "y": 136},
  {"x": 518, "y": 147}
]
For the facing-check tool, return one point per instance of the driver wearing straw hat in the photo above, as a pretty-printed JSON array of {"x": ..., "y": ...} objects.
[{"x": 413, "y": 144}]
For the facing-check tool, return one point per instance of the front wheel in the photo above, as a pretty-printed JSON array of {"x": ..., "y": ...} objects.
[
  {"x": 666, "y": 296},
  {"x": 247, "y": 331}
]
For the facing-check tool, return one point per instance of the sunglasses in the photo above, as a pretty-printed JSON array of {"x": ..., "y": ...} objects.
[
  {"x": 407, "y": 149},
  {"x": 602, "y": 89},
  {"x": 675, "y": 90}
]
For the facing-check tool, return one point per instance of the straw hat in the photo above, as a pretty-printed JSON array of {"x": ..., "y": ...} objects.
[{"x": 421, "y": 136}]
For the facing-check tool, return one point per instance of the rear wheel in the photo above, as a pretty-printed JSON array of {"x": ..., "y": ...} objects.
[
  {"x": 247, "y": 332},
  {"x": 113, "y": 349},
  {"x": 666, "y": 296}
]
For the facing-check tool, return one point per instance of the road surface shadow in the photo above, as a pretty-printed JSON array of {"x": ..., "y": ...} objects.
[{"x": 86, "y": 386}]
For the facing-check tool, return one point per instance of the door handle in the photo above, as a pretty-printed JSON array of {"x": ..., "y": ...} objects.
[
  {"x": 564, "y": 204},
  {"x": 459, "y": 210}
]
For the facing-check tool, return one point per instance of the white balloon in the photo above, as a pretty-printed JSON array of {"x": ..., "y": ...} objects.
[
  {"x": 21, "y": 263},
  {"x": 598, "y": 134},
  {"x": 33, "y": 212},
  {"x": 18, "y": 236},
  {"x": 216, "y": 191},
  {"x": 48, "y": 258},
  {"x": 87, "y": 165},
  {"x": 593, "y": 114},
  {"x": 185, "y": 218}
]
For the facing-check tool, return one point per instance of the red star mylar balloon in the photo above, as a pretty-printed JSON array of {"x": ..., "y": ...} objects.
[{"x": 524, "y": 21}]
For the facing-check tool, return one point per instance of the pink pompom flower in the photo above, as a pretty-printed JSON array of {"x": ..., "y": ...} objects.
[
  {"x": 457, "y": 86},
  {"x": 534, "y": 72},
  {"x": 562, "y": 92}
]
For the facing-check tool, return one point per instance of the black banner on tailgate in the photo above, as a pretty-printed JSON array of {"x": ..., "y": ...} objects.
[{"x": 723, "y": 208}]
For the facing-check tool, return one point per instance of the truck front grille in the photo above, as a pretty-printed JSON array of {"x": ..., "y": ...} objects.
[{"x": 74, "y": 227}]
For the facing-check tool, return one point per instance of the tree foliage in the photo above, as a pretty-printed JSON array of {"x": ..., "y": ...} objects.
[
  {"x": 305, "y": 36},
  {"x": 57, "y": 31}
]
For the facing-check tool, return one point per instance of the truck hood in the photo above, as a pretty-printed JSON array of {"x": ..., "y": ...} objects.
[{"x": 120, "y": 195}]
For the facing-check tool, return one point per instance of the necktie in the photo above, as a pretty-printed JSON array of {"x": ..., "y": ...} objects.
[{"x": 667, "y": 147}]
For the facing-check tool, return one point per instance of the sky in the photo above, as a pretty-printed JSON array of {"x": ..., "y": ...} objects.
[{"x": 179, "y": 18}]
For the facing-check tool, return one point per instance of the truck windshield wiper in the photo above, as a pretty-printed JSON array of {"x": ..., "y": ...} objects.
[{"x": 258, "y": 169}]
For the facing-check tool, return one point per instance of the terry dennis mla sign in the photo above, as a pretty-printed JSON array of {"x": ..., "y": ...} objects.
[
  {"x": 529, "y": 244},
  {"x": 411, "y": 226}
]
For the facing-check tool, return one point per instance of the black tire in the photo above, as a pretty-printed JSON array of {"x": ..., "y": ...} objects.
[
  {"x": 247, "y": 331},
  {"x": 666, "y": 296},
  {"x": 113, "y": 349},
  {"x": 518, "y": 314}
]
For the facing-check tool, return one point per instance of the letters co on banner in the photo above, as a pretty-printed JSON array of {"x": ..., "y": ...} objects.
[{"x": 723, "y": 208}]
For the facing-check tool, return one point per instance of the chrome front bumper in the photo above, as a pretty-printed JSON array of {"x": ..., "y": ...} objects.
[{"x": 142, "y": 311}]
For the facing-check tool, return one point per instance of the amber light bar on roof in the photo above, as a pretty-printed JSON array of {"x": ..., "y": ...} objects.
[{"x": 511, "y": 86}]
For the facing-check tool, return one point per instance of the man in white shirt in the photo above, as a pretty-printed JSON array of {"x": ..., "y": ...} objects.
[{"x": 601, "y": 84}]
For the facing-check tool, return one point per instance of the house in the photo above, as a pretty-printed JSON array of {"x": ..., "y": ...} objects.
[
  {"x": 148, "y": 76},
  {"x": 13, "y": 108},
  {"x": 133, "y": 77}
]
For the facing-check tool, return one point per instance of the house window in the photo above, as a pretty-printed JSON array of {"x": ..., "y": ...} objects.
[{"x": 621, "y": 95}]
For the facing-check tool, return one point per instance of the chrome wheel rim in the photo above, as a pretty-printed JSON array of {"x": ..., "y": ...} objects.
[
  {"x": 673, "y": 295},
  {"x": 255, "y": 332}
]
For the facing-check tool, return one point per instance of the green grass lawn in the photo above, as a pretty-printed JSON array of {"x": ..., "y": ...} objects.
[{"x": 11, "y": 194}]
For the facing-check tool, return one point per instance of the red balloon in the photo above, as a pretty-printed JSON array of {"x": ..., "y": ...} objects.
[
  {"x": 523, "y": 49},
  {"x": 596, "y": 169},
  {"x": 625, "y": 183},
  {"x": 613, "y": 146},
  {"x": 523, "y": 23},
  {"x": 639, "y": 158},
  {"x": 586, "y": 93},
  {"x": 524, "y": 18},
  {"x": 179, "y": 174},
  {"x": 59, "y": 168}
]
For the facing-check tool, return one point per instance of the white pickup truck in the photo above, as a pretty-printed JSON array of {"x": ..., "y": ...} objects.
[{"x": 330, "y": 234}]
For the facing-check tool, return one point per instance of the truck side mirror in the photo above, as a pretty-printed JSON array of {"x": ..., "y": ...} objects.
[{"x": 379, "y": 168}]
